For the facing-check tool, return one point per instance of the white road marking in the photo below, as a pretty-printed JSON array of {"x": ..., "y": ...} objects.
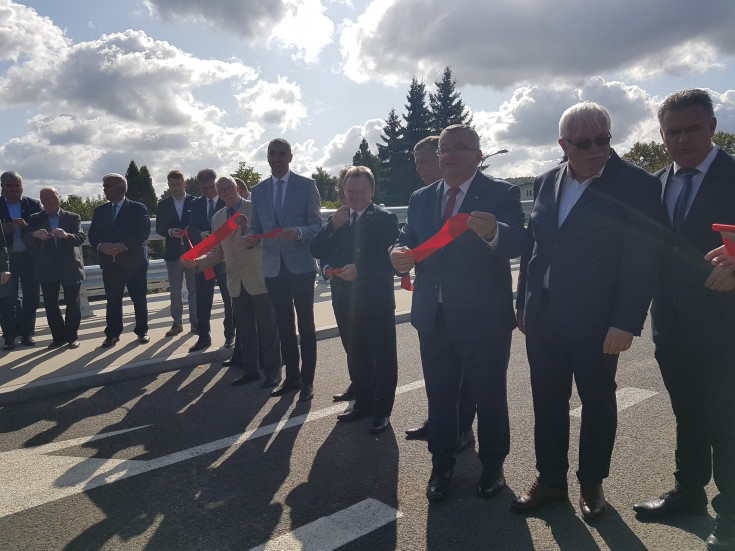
[
  {"x": 334, "y": 531},
  {"x": 626, "y": 397},
  {"x": 30, "y": 478}
]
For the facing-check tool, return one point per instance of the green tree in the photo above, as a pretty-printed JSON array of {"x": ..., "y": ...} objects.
[
  {"x": 325, "y": 184},
  {"x": 83, "y": 207},
  {"x": 417, "y": 127},
  {"x": 651, "y": 156},
  {"x": 147, "y": 192},
  {"x": 192, "y": 188},
  {"x": 447, "y": 107},
  {"x": 365, "y": 157},
  {"x": 726, "y": 141},
  {"x": 395, "y": 160},
  {"x": 247, "y": 174}
]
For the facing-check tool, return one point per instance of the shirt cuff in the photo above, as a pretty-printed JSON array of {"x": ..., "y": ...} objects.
[{"x": 493, "y": 243}]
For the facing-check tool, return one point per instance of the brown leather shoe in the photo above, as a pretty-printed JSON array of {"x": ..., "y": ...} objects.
[
  {"x": 591, "y": 501},
  {"x": 175, "y": 330},
  {"x": 537, "y": 496}
]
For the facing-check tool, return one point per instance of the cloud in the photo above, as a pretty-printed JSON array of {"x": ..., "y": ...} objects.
[
  {"x": 340, "y": 149},
  {"x": 276, "y": 103},
  {"x": 500, "y": 44},
  {"x": 25, "y": 34},
  {"x": 293, "y": 24}
]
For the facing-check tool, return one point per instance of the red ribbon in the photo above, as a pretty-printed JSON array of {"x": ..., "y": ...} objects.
[
  {"x": 270, "y": 235},
  {"x": 211, "y": 242},
  {"x": 728, "y": 236},
  {"x": 451, "y": 230},
  {"x": 332, "y": 271}
]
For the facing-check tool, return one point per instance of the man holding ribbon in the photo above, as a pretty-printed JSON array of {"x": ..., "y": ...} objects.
[
  {"x": 693, "y": 316},
  {"x": 289, "y": 203},
  {"x": 246, "y": 285},
  {"x": 463, "y": 302}
]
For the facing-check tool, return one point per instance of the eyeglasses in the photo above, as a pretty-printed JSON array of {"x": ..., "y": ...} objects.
[
  {"x": 586, "y": 144},
  {"x": 444, "y": 151}
]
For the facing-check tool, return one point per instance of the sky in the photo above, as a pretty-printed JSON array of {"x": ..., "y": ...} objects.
[{"x": 86, "y": 86}]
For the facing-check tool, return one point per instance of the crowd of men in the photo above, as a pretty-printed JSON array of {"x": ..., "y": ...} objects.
[{"x": 604, "y": 241}]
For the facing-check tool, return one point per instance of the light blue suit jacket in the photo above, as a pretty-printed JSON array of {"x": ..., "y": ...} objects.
[{"x": 300, "y": 210}]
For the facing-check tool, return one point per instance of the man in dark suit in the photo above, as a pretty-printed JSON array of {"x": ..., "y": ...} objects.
[
  {"x": 585, "y": 284},
  {"x": 355, "y": 241},
  {"x": 200, "y": 227},
  {"x": 119, "y": 233},
  {"x": 693, "y": 312},
  {"x": 55, "y": 239},
  {"x": 289, "y": 202},
  {"x": 19, "y": 317},
  {"x": 427, "y": 166},
  {"x": 172, "y": 221},
  {"x": 5, "y": 290},
  {"x": 463, "y": 304}
]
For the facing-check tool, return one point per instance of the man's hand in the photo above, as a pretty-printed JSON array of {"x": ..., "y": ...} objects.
[
  {"x": 107, "y": 248},
  {"x": 348, "y": 273},
  {"x": 290, "y": 234},
  {"x": 58, "y": 233},
  {"x": 176, "y": 232},
  {"x": 483, "y": 224},
  {"x": 120, "y": 247},
  {"x": 4, "y": 277},
  {"x": 41, "y": 234},
  {"x": 617, "y": 341},
  {"x": 249, "y": 241},
  {"x": 241, "y": 220},
  {"x": 520, "y": 320},
  {"x": 19, "y": 223},
  {"x": 719, "y": 257},
  {"x": 204, "y": 235},
  {"x": 341, "y": 217},
  {"x": 8, "y": 227},
  {"x": 401, "y": 259},
  {"x": 721, "y": 279},
  {"x": 188, "y": 263}
]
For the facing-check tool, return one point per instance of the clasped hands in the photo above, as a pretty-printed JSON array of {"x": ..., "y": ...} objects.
[
  {"x": 14, "y": 223},
  {"x": 44, "y": 234},
  {"x": 112, "y": 249},
  {"x": 348, "y": 272}
]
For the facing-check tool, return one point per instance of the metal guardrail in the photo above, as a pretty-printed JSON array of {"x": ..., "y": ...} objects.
[{"x": 93, "y": 286}]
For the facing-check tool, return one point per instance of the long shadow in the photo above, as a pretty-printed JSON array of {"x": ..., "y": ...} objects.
[{"x": 350, "y": 467}]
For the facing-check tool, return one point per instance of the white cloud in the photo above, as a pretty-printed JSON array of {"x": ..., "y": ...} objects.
[
  {"x": 276, "y": 103},
  {"x": 500, "y": 44},
  {"x": 25, "y": 34},
  {"x": 340, "y": 149}
]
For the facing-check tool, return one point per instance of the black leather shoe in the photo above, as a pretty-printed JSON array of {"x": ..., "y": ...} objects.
[
  {"x": 307, "y": 393},
  {"x": 285, "y": 388},
  {"x": 346, "y": 396},
  {"x": 379, "y": 424},
  {"x": 418, "y": 433},
  {"x": 56, "y": 344},
  {"x": 245, "y": 378},
  {"x": 537, "y": 496},
  {"x": 270, "y": 382},
  {"x": 227, "y": 363},
  {"x": 352, "y": 414},
  {"x": 201, "y": 344},
  {"x": 229, "y": 342},
  {"x": 144, "y": 339},
  {"x": 28, "y": 341},
  {"x": 110, "y": 341},
  {"x": 465, "y": 439},
  {"x": 670, "y": 504},
  {"x": 9, "y": 344},
  {"x": 74, "y": 344},
  {"x": 491, "y": 482},
  {"x": 438, "y": 486},
  {"x": 592, "y": 502},
  {"x": 723, "y": 533}
]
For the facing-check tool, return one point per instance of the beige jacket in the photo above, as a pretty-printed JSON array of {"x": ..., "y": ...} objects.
[{"x": 242, "y": 265}]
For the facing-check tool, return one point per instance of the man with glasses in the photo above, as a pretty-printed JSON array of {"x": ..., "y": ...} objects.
[
  {"x": 586, "y": 280},
  {"x": 462, "y": 304}
]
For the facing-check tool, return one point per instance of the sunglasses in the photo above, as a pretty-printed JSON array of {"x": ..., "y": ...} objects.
[{"x": 586, "y": 144}]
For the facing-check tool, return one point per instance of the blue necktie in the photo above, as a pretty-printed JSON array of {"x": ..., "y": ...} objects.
[
  {"x": 278, "y": 207},
  {"x": 680, "y": 208},
  {"x": 230, "y": 212},
  {"x": 210, "y": 211}
]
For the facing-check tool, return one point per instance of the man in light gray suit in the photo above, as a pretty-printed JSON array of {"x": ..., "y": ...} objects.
[{"x": 289, "y": 202}]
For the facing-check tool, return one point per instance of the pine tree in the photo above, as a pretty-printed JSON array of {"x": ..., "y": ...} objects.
[
  {"x": 394, "y": 159},
  {"x": 147, "y": 193},
  {"x": 133, "y": 177},
  {"x": 447, "y": 107},
  {"x": 418, "y": 127}
]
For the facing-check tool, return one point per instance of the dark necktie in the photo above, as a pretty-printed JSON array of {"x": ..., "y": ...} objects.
[
  {"x": 114, "y": 212},
  {"x": 449, "y": 209},
  {"x": 354, "y": 217},
  {"x": 680, "y": 208},
  {"x": 210, "y": 210},
  {"x": 278, "y": 210},
  {"x": 230, "y": 212}
]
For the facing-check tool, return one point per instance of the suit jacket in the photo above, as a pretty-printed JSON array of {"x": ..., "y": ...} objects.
[
  {"x": 301, "y": 209},
  {"x": 365, "y": 244},
  {"x": 6, "y": 288},
  {"x": 603, "y": 257},
  {"x": 60, "y": 261},
  {"x": 475, "y": 280},
  {"x": 244, "y": 266},
  {"x": 28, "y": 207},
  {"x": 132, "y": 227},
  {"x": 199, "y": 220},
  {"x": 681, "y": 296},
  {"x": 167, "y": 219}
]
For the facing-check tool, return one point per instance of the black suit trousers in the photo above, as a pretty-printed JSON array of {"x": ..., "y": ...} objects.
[
  {"x": 484, "y": 363},
  {"x": 289, "y": 291},
  {"x": 555, "y": 360},
  {"x": 205, "y": 297},
  {"x": 372, "y": 359},
  {"x": 133, "y": 275},
  {"x": 22, "y": 314},
  {"x": 63, "y": 328},
  {"x": 698, "y": 373},
  {"x": 257, "y": 334}
]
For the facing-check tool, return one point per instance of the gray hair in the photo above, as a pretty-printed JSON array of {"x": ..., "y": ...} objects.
[
  {"x": 586, "y": 113},
  {"x": 10, "y": 175},
  {"x": 49, "y": 188},
  {"x": 115, "y": 176},
  {"x": 466, "y": 128}
]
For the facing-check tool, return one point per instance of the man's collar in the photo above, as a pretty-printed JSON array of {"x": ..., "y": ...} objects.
[
  {"x": 285, "y": 177},
  {"x": 464, "y": 187},
  {"x": 702, "y": 167}
]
